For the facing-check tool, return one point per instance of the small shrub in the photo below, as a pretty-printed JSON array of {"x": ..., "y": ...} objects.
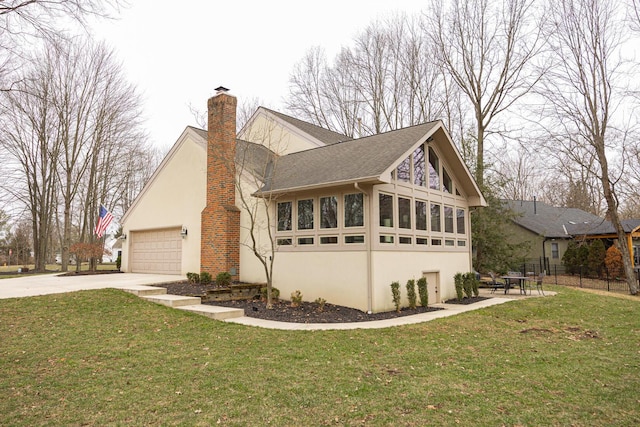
[
  {"x": 411, "y": 293},
  {"x": 458, "y": 279},
  {"x": 205, "y": 278},
  {"x": 423, "y": 291},
  {"x": 475, "y": 285},
  {"x": 275, "y": 293},
  {"x": 118, "y": 262},
  {"x": 614, "y": 263},
  {"x": 224, "y": 279},
  {"x": 467, "y": 285},
  {"x": 193, "y": 277},
  {"x": 321, "y": 302},
  {"x": 395, "y": 291},
  {"x": 296, "y": 298}
]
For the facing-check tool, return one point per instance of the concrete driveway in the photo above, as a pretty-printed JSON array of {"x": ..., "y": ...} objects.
[{"x": 44, "y": 284}]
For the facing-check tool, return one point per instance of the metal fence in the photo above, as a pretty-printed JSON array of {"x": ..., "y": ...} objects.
[{"x": 557, "y": 274}]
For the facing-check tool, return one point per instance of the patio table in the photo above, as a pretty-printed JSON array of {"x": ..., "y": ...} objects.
[{"x": 510, "y": 280}]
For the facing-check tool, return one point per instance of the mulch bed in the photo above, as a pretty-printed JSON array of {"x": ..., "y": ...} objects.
[
  {"x": 307, "y": 312},
  {"x": 466, "y": 301},
  {"x": 89, "y": 273}
]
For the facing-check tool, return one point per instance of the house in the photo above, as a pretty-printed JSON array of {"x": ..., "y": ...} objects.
[
  {"x": 546, "y": 229},
  {"x": 606, "y": 231},
  {"x": 347, "y": 216}
]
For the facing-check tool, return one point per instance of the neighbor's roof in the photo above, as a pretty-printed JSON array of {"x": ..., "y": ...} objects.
[
  {"x": 357, "y": 160},
  {"x": 550, "y": 221},
  {"x": 326, "y": 136},
  {"x": 603, "y": 228}
]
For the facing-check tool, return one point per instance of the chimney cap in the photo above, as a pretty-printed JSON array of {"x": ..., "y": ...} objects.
[{"x": 221, "y": 89}]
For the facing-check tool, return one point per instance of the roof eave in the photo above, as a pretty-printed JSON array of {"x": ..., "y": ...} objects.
[{"x": 367, "y": 180}]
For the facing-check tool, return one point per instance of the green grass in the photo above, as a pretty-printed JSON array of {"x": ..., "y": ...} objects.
[{"x": 110, "y": 358}]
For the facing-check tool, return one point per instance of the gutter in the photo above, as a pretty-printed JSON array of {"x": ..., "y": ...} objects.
[{"x": 368, "y": 246}]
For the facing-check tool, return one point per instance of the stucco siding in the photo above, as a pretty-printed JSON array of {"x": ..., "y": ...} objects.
[
  {"x": 275, "y": 136},
  {"x": 401, "y": 266},
  {"x": 175, "y": 199},
  {"x": 338, "y": 277}
]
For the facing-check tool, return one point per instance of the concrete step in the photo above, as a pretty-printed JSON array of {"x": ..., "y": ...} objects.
[
  {"x": 143, "y": 290},
  {"x": 172, "y": 300},
  {"x": 214, "y": 312}
]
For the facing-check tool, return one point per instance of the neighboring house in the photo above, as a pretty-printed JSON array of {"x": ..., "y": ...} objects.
[
  {"x": 545, "y": 228},
  {"x": 349, "y": 216},
  {"x": 606, "y": 231}
]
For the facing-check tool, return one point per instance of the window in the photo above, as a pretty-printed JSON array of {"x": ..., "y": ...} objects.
[
  {"x": 329, "y": 240},
  {"x": 447, "y": 184},
  {"x": 434, "y": 170},
  {"x": 404, "y": 240},
  {"x": 435, "y": 217},
  {"x": 462, "y": 243},
  {"x": 421, "y": 215},
  {"x": 353, "y": 239},
  {"x": 305, "y": 241},
  {"x": 386, "y": 239},
  {"x": 305, "y": 214},
  {"x": 284, "y": 242},
  {"x": 460, "y": 220},
  {"x": 404, "y": 212},
  {"x": 328, "y": 212},
  {"x": 449, "y": 242},
  {"x": 419, "y": 173},
  {"x": 386, "y": 210},
  {"x": 554, "y": 251},
  {"x": 436, "y": 242},
  {"x": 404, "y": 170},
  {"x": 353, "y": 210},
  {"x": 284, "y": 216},
  {"x": 448, "y": 219},
  {"x": 422, "y": 241}
]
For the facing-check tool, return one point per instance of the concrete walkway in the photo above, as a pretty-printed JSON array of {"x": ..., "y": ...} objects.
[
  {"x": 149, "y": 286},
  {"x": 45, "y": 284}
]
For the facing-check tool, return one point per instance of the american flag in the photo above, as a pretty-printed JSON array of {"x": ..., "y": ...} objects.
[{"x": 103, "y": 222}]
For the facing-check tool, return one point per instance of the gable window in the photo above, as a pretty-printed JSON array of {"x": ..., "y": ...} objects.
[
  {"x": 404, "y": 212},
  {"x": 404, "y": 170},
  {"x": 447, "y": 184},
  {"x": 460, "y": 219},
  {"x": 284, "y": 216},
  {"x": 448, "y": 219},
  {"x": 386, "y": 210},
  {"x": 305, "y": 214},
  {"x": 435, "y": 218},
  {"x": 419, "y": 172},
  {"x": 434, "y": 170},
  {"x": 353, "y": 210},
  {"x": 421, "y": 215},
  {"x": 328, "y": 212}
]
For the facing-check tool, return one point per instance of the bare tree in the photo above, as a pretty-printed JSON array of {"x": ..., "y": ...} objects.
[
  {"x": 386, "y": 80},
  {"x": 487, "y": 47},
  {"x": 584, "y": 97},
  {"x": 22, "y": 21}
]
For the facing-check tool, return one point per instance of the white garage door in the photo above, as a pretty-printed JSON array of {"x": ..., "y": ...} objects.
[{"x": 156, "y": 251}]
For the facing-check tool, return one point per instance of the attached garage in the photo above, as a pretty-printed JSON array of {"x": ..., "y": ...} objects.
[{"x": 156, "y": 251}]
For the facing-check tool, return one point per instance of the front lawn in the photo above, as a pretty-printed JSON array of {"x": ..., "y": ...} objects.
[{"x": 110, "y": 358}]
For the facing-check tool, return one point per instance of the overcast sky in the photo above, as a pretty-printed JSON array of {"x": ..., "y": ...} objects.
[{"x": 177, "y": 53}]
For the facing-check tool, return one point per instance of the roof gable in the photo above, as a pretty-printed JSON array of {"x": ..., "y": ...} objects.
[{"x": 368, "y": 159}]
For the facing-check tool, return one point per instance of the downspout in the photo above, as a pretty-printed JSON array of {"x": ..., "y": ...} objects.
[{"x": 368, "y": 238}]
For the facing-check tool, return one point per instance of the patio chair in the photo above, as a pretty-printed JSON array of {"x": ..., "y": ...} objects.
[
  {"x": 495, "y": 283},
  {"x": 538, "y": 283}
]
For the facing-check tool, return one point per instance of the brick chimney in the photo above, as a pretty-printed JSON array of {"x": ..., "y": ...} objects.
[{"x": 220, "y": 239}]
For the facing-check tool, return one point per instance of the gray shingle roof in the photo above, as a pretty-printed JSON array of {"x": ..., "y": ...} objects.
[
  {"x": 326, "y": 136},
  {"x": 604, "y": 227},
  {"x": 360, "y": 160},
  {"x": 550, "y": 221}
]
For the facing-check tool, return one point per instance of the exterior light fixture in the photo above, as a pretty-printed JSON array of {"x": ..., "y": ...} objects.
[{"x": 183, "y": 232}]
